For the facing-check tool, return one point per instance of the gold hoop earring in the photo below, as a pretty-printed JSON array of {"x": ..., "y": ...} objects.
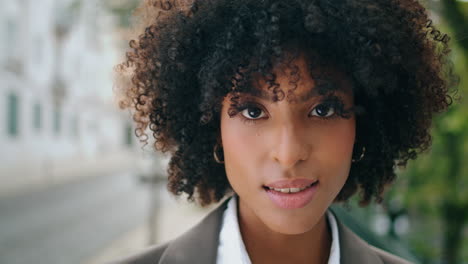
[
  {"x": 215, "y": 154},
  {"x": 362, "y": 155}
]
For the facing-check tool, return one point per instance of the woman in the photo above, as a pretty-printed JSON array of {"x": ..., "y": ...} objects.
[{"x": 285, "y": 107}]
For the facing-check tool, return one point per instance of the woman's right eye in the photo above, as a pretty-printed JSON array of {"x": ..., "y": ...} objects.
[{"x": 252, "y": 112}]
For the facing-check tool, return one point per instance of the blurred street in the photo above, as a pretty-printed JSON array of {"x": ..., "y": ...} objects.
[
  {"x": 71, "y": 222},
  {"x": 70, "y": 162}
]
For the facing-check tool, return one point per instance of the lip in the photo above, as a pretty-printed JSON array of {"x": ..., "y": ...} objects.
[
  {"x": 292, "y": 200},
  {"x": 294, "y": 183}
]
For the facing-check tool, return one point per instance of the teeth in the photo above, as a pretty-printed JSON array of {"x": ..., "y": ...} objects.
[{"x": 288, "y": 190}]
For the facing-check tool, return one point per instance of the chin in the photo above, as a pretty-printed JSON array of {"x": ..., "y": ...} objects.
[{"x": 292, "y": 223}]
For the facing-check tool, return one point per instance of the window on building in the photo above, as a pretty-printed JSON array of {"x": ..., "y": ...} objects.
[
  {"x": 12, "y": 111},
  {"x": 37, "y": 116},
  {"x": 128, "y": 135},
  {"x": 11, "y": 32}
]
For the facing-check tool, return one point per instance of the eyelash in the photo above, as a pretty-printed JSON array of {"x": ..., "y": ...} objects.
[{"x": 334, "y": 103}]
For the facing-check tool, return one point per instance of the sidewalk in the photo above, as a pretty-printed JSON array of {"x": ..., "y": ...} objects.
[
  {"x": 35, "y": 175},
  {"x": 174, "y": 218}
]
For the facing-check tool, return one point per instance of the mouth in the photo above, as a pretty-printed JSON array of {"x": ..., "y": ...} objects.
[{"x": 288, "y": 197}]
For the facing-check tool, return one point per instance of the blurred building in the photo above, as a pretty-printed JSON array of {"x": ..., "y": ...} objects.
[{"x": 57, "y": 106}]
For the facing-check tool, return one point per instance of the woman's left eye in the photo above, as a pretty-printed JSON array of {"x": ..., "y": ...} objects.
[{"x": 323, "y": 110}]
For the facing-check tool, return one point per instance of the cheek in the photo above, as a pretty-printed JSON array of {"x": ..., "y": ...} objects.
[
  {"x": 336, "y": 149},
  {"x": 241, "y": 151},
  {"x": 339, "y": 140},
  {"x": 237, "y": 140}
]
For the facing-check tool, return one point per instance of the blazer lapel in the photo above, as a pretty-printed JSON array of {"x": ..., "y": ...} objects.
[
  {"x": 199, "y": 244},
  {"x": 353, "y": 249}
]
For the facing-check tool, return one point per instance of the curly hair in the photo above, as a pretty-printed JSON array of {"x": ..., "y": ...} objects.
[{"x": 192, "y": 54}]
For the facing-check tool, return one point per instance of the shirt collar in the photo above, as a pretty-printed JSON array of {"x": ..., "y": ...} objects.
[{"x": 231, "y": 247}]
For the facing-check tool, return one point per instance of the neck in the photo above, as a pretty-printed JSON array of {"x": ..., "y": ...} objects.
[{"x": 267, "y": 246}]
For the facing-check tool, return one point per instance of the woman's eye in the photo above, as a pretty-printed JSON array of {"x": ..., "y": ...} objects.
[
  {"x": 252, "y": 113},
  {"x": 323, "y": 110}
]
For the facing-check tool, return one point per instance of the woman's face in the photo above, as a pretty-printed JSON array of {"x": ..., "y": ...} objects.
[{"x": 289, "y": 145}]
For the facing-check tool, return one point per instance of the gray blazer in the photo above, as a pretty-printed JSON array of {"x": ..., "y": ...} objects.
[{"x": 200, "y": 245}]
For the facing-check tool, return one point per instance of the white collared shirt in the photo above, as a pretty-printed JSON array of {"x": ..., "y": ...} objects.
[{"x": 231, "y": 247}]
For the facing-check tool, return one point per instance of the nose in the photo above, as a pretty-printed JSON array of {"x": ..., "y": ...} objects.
[{"x": 290, "y": 148}]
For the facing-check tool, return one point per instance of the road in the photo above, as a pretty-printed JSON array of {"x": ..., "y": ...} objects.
[{"x": 72, "y": 222}]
